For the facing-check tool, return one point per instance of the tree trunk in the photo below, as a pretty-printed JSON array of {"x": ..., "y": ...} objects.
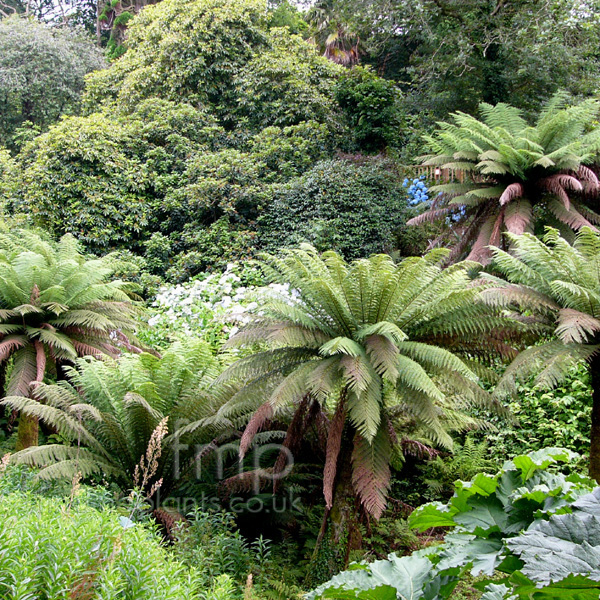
[
  {"x": 595, "y": 432},
  {"x": 27, "y": 432},
  {"x": 340, "y": 529}
]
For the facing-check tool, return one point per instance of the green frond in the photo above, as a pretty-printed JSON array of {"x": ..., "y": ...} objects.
[
  {"x": 341, "y": 345},
  {"x": 292, "y": 389},
  {"x": 323, "y": 379},
  {"x": 57, "y": 461},
  {"x": 414, "y": 376},
  {"x": 383, "y": 353},
  {"x": 436, "y": 358},
  {"x": 364, "y": 410},
  {"x": 386, "y": 329}
]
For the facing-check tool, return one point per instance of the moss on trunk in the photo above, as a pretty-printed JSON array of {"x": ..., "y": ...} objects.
[{"x": 27, "y": 432}]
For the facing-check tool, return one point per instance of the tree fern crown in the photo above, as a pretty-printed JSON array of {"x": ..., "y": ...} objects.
[
  {"x": 56, "y": 305},
  {"x": 393, "y": 348},
  {"x": 557, "y": 285},
  {"x": 514, "y": 173}
]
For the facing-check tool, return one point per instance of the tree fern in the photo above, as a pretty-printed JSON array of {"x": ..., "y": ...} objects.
[
  {"x": 390, "y": 349},
  {"x": 557, "y": 285},
  {"x": 56, "y": 305},
  {"x": 108, "y": 411},
  {"x": 515, "y": 173}
]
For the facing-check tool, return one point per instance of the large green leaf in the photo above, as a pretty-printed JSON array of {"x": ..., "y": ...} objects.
[
  {"x": 433, "y": 514},
  {"x": 398, "y": 578},
  {"x": 497, "y": 592},
  {"x": 528, "y": 464},
  {"x": 484, "y": 555},
  {"x": 382, "y": 592},
  {"x": 486, "y": 516},
  {"x": 573, "y": 587},
  {"x": 567, "y": 544}
]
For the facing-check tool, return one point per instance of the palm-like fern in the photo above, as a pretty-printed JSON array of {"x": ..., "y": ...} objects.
[
  {"x": 559, "y": 285},
  {"x": 371, "y": 349},
  {"x": 518, "y": 173},
  {"x": 108, "y": 411},
  {"x": 56, "y": 305}
]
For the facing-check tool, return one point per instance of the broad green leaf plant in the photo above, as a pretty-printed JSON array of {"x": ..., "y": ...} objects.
[{"x": 529, "y": 521}]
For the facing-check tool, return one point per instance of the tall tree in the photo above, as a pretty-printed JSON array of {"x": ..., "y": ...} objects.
[
  {"x": 369, "y": 350},
  {"x": 453, "y": 54},
  {"x": 56, "y": 305},
  {"x": 42, "y": 72},
  {"x": 560, "y": 285},
  {"x": 515, "y": 175},
  {"x": 332, "y": 32}
]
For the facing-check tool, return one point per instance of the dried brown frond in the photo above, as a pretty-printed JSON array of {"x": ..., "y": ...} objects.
[
  {"x": 146, "y": 469},
  {"x": 263, "y": 414},
  {"x": 246, "y": 482},
  {"x": 371, "y": 473},
  {"x": 334, "y": 443}
]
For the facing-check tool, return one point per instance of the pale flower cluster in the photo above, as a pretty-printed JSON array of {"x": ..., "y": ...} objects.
[{"x": 220, "y": 301}]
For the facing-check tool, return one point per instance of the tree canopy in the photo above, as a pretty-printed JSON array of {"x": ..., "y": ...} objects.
[{"x": 42, "y": 72}]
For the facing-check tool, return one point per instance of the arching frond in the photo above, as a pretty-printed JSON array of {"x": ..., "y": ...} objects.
[{"x": 522, "y": 166}]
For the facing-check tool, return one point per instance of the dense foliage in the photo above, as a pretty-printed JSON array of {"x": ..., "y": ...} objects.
[
  {"x": 452, "y": 54},
  {"x": 559, "y": 284},
  {"x": 190, "y": 135},
  {"x": 506, "y": 522},
  {"x": 369, "y": 351},
  {"x": 55, "y": 306},
  {"x": 543, "y": 417},
  {"x": 272, "y": 434},
  {"x": 121, "y": 420},
  {"x": 41, "y": 76},
  {"x": 52, "y": 549},
  {"x": 104, "y": 178},
  {"x": 354, "y": 209}
]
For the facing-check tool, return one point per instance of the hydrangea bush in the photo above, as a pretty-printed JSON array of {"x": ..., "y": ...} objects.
[
  {"x": 418, "y": 192},
  {"x": 211, "y": 308}
]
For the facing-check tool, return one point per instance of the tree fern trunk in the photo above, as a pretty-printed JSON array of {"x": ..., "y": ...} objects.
[
  {"x": 27, "y": 432},
  {"x": 340, "y": 529},
  {"x": 595, "y": 433}
]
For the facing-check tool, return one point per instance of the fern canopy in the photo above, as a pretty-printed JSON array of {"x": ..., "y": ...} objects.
[
  {"x": 515, "y": 173},
  {"x": 556, "y": 286},
  {"x": 383, "y": 350},
  {"x": 108, "y": 411},
  {"x": 57, "y": 305}
]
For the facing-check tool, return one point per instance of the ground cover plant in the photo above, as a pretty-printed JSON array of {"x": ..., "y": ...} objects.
[{"x": 54, "y": 549}]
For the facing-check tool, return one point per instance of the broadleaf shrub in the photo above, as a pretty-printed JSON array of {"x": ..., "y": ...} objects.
[
  {"x": 371, "y": 106},
  {"x": 353, "y": 208},
  {"x": 557, "y": 417},
  {"x": 500, "y": 523}
]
